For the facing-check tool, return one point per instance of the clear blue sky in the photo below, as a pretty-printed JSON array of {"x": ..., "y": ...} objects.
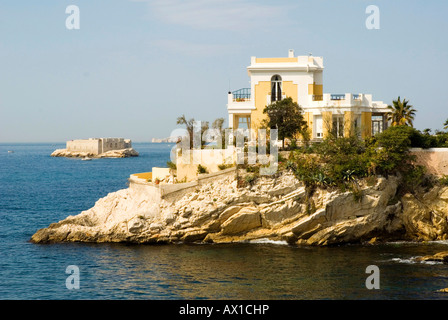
[{"x": 135, "y": 66}]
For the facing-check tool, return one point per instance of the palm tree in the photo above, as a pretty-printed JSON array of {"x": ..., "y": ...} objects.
[
  {"x": 401, "y": 113},
  {"x": 445, "y": 125}
]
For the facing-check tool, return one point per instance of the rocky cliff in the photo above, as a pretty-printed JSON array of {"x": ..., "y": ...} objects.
[
  {"x": 275, "y": 208},
  {"x": 122, "y": 153}
]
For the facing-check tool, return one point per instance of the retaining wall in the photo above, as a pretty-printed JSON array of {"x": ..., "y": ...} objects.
[
  {"x": 434, "y": 159},
  {"x": 173, "y": 192}
]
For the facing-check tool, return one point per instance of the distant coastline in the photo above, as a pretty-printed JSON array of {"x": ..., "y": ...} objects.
[{"x": 162, "y": 140}]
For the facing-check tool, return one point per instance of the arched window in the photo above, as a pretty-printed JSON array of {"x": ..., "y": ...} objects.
[{"x": 276, "y": 88}]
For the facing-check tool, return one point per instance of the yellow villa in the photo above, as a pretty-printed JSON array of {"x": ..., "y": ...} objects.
[{"x": 301, "y": 78}]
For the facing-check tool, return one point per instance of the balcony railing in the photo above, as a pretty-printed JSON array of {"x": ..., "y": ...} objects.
[
  {"x": 241, "y": 95},
  {"x": 337, "y": 97},
  {"x": 347, "y": 99}
]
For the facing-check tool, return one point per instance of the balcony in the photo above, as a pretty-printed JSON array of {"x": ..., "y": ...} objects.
[
  {"x": 347, "y": 100},
  {"x": 240, "y": 102},
  {"x": 241, "y": 95}
]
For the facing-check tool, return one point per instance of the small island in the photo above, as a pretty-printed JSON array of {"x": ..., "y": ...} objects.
[{"x": 97, "y": 148}]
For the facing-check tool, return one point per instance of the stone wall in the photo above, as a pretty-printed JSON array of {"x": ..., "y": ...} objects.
[
  {"x": 435, "y": 160},
  {"x": 160, "y": 173},
  {"x": 108, "y": 144},
  {"x": 171, "y": 192},
  {"x": 98, "y": 145},
  {"x": 187, "y": 164},
  {"x": 146, "y": 190},
  {"x": 86, "y": 145}
]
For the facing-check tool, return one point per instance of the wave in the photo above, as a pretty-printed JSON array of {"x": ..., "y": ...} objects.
[
  {"x": 269, "y": 241},
  {"x": 413, "y": 243},
  {"x": 414, "y": 260},
  {"x": 439, "y": 242}
]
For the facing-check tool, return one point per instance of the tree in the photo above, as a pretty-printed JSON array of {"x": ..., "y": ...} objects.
[
  {"x": 287, "y": 117},
  {"x": 401, "y": 113},
  {"x": 189, "y": 124},
  {"x": 217, "y": 124},
  {"x": 427, "y": 131},
  {"x": 445, "y": 125},
  {"x": 390, "y": 153}
]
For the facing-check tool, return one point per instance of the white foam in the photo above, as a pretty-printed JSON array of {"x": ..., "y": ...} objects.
[
  {"x": 413, "y": 260},
  {"x": 269, "y": 241},
  {"x": 399, "y": 260},
  {"x": 439, "y": 241}
]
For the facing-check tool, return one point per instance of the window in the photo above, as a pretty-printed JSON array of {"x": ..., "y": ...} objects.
[
  {"x": 276, "y": 88},
  {"x": 377, "y": 124},
  {"x": 319, "y": 126},
  {"x": 244, "y": 122},
  {"x": 357, "y": 126},
  {"x": 338, "y": 126}
]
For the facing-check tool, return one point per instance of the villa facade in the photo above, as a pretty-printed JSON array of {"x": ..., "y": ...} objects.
[{"x": 301, "y": 78}]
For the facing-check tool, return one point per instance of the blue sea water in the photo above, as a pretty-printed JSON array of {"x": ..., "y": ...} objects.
[{"x": 37, "y": 190}]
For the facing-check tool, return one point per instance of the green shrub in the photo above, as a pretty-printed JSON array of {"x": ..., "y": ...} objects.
[
  {"x": 224, "y": 166},
  {"x": 341, "y": 162},
  {"x": 413, "y": 179},
  {"x": 371, "y": 181},
  {"x": 253, "y": 169},
  {"x": 390, "y": 153},
  {"x": 171, "y": 165},
  {"x": 444, "y": 181},
  {"x": 250, "y": 179},
  {"x": 202, "y": 169},
  {"x": 356, "y": 192}
]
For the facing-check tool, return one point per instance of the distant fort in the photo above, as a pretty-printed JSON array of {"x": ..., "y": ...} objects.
[{"x": 97, "y": 148}]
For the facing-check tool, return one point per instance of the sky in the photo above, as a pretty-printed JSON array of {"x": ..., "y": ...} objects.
[{"x": 134, "y": 66}]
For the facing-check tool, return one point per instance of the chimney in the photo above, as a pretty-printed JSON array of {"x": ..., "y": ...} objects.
[{"x": 291, "y": 53}]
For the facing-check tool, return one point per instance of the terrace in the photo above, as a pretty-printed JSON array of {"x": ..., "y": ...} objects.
[
  {"x": 344, "y": 100},
  {"x": 240, "y": 101},
  {"x": 241, "y": 95}
]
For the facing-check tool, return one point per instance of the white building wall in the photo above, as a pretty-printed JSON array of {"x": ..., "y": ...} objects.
[
  {"x": 112, "y": 144},
  {"x": 301, "y": 78},
  {"x": 89, "y": 145},
  {"x": 98, "y": 145}
]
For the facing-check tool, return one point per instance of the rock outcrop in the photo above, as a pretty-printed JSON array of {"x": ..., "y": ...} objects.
[
  {"x": 438, "y": 257},
  {"x": 122, "y": 153},
  {"x": 275, "y": 208},
  {"x": 425, "y": 218}
]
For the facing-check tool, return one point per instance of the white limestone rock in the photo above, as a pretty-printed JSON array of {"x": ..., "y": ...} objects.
[
  {"x": 228, "y": 214},
  {"x": 122, "y": 153}
]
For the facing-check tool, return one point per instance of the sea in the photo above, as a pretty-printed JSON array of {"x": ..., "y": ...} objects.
[{"x": 37, "y": 190}]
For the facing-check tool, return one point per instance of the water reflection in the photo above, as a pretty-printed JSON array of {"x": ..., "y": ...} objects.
[{"x": 254, "y": 271}]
